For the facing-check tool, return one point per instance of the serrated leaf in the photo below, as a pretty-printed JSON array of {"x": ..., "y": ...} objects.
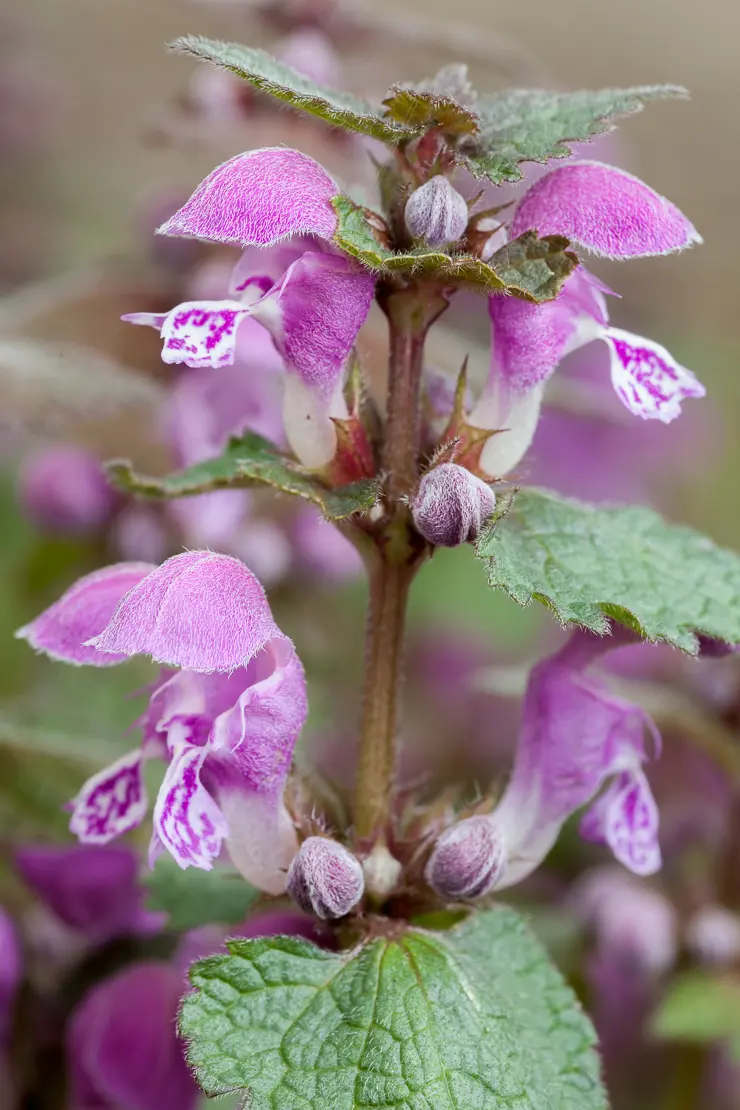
[
  {"x": 587, "y": 563},
  {"x": 534, "y": 268},
  {"x": 531, "y": 268},
  {"x": 419, "y": 110},
  {"x": 530, "y": 125},
  {"x": 700, "y": 1006},
  {"x": 248, "y": 460},
  {"x": 475, "y": 1017},
  {"x": 193, "y": 898},
  {"x": 260, "y": 69}
]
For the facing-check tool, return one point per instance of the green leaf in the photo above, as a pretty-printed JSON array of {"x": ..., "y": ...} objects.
[
  {"x": 701, "y": 1006},
  {"x": 665, "y": 581},
  {"x": 475, "y": 1017},
  {"x": 260, "y": 69},
  {"x": 529, "y": 125},
  {"x": 419, "y": 110},
  {"x": 531, "y": 268},
  {"x": 248, "y": 460},
  {"x": 193, "y": 898}
]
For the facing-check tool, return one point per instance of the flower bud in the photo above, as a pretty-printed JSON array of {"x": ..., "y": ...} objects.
[
  {"x": 451, "y": 504},
  {"x": 325, "y": 879},
  {"x": 468, "y": 860},
  {"x": 436, "y": 212}
]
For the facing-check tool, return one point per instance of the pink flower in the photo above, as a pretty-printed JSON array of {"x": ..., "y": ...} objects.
[
  {"x": 313, "y": 312},
  {"x": 62, "y": 487},
  {"x": 94, "y": 890},
  {"x": 62, "y": 630},
  {"x": 611, "y": 213},
  {"x": 122, "y": 1049},
  {"x": 309, "y": 52},
  {"x": 634, "y": 925},
  {"x": 321, "y": 549},
  {"x": 226, "y": 723},
  {"x": 577, "y": 739},
  {"x": 605, "y": 210}
]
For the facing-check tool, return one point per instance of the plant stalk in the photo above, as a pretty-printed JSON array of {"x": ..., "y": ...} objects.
[
  {"x": 394, "y": 561},
  {"x": 389, "y": 586}
]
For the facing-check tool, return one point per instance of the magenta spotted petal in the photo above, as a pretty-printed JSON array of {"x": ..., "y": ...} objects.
[
  {"x": 626, "y": 818},
  {"x": 187, "y": 821},
  {"x": 111, "y": 802},
  {"x": 647, "y": 378},
  {"x": 259, "y": 198},
  {"x": 196, "y": 333},
  {"x": 62, "y": 630},
  {"x": 198, "y": 610},
  {"x": 605, "y": 210}
]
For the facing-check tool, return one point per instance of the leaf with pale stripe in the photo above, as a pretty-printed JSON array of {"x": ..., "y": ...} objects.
[{"x": 474, "y": 1017}]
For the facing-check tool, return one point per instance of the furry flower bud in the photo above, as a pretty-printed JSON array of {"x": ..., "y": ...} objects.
[
  {"x": 467, "y": 860},
  {"x": 436, "y": 212},
  {"x": 451, "y": 504},
  {"x": 325, "y": 879}
]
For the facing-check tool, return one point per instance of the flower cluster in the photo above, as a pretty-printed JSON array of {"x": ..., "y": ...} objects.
[
  {"x": 227, "y": 720},
  {"x": 314, "y": 310}
]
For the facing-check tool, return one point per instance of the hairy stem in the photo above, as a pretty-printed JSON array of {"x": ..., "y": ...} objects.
[
  {"x": 400, "y": 454},
  {"x": 389, "y": 586},
  {"x": 394, "y": 561}
]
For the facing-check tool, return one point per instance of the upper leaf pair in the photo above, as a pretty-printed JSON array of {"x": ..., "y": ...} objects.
[{"x": 491, "y": 136}]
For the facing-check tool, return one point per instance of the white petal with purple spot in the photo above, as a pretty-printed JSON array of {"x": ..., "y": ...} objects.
[
  {"x": 111, "y": 802},
  {"x": 647, "y": 378},
  {"x": 626, "y": 818},
  {"x": 197, "y": 333},
  {"x": 186, "y": 818}
]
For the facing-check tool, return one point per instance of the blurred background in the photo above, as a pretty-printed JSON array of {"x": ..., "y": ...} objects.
[{"x": 103, "y": 134}]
